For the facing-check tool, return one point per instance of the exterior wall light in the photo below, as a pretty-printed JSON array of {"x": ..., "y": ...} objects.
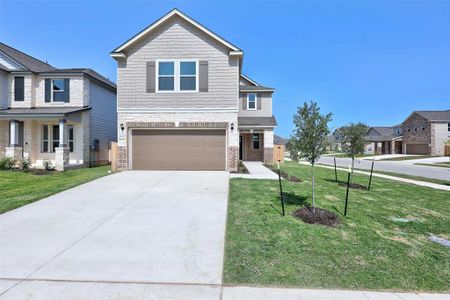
[
  {"x": 232, "y": 126},
  {"x": 122, "y": 127}
]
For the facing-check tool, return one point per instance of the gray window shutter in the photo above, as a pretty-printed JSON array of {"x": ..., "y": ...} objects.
[
  {"x": 203, "y": 79},
  {"x": 244, "y": 101},
  {"x": 48, "y": 89},
  {"x": 19, "y": 88},
  {"x": 258, "y": 101},
  {"x": 150, "y": 77},
  {"x": 66, "y": 90}
]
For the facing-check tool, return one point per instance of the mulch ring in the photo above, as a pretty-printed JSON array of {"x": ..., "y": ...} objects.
[
  {"x": 283, "y": 174},
  {"x": 321, "y": 216},
  {"x": 354, "y": 186}
]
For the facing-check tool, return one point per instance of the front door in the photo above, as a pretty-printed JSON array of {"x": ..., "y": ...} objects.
[{"x": 240, "y": 147}]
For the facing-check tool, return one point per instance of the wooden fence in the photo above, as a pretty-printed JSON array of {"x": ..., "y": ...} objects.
[
  {"x": 447, "y": 150},
  {"x": 278, "y": 153},
  {"x": 114, "y": 156}
]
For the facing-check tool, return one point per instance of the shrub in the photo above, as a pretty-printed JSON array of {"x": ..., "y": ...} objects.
[
  {"x": 7, "y": 163},
  {"x": 48, "y": 165},
  {"x": 25, "y": 164}
]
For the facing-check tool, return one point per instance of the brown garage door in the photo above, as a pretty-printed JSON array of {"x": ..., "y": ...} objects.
[
  {"x": 417, "y": 149},
  {"x": 178, "y": 149}
]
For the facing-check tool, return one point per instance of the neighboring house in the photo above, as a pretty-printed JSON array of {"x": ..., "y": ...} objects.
[
  {"x": 183, "y": 103},
  {"x": 65, "y": 116},
  {"x": 278, "y": 140},
  {"x": 426, "y": 132},
  {"x": 335, "y": 140},
  {"x": 384, "y": 140}
]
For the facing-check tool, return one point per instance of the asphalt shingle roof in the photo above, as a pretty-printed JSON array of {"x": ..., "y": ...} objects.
[
  {"x": 42, "y": 111},
  {"x": 437, "y": 115},
  {"x": 248, "y": 88},
  {"x": 257, "y": 121},
  {"x": 28, "y": 61}
]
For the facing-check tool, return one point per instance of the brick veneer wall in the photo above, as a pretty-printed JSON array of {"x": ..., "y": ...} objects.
[
  {"x": 268, "y": 155},
  {"x": 416, "y": 137},
  {"x": 122, "y": 160},
  {"x": 251, "y": 154}
]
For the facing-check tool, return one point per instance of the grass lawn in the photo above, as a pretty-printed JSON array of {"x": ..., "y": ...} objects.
[
  {"x": 370, "y": 249},
  {"x": 18, "y": 188}
]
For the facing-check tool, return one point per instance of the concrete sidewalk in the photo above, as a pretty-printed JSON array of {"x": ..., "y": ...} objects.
[
  {"x": 257, "y": 170},
  {"x": 41, "y": 289},
  {"x": 405, "y": 180}
]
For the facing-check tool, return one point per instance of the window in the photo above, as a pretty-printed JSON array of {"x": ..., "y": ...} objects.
[
  {"x": 166, "y": 76},
  {"x": 19, "y": 88},
  {"x": 448, "y": 126},
  {"x": 255, "y": 140},
  {"x": 251, "y": 101},
  {"x": 398, "y": 130},
  {"x": 55, "y": 137},
  {"x": 415, "y": 128},
  {"x": 188, "y": 75},
  {"x": 177, "y": 76},
  {"x": 70, "y": 130},
  {"x": 45, "y": 138},
  {"x": 58, "y": 90}
]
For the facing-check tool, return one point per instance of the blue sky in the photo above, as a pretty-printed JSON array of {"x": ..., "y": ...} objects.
[{"x": 373, "y": 62}]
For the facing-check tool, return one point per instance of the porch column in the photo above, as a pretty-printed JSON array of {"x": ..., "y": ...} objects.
[
  {"x": 62, "y": 151},
  {"x": 268, "y": 146},
  {"x": 14, "y": 151}
]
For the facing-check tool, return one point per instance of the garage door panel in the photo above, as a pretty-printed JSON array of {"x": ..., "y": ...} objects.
[
  {"x": 417, "y": 149},
  {"x": 178, "y": 149}
]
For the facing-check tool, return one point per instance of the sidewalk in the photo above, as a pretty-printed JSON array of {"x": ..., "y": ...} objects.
[
  {"x": 258, "y": 293},
  {"x": 257, "y": 171},
  {"x": 405, "y": 180}
]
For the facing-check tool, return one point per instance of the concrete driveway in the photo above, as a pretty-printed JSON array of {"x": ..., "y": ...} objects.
[{"x": 140, "y": 233}]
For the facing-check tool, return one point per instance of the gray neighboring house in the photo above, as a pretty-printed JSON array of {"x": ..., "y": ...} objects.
[
  {"x": 65, "y": 116},
  {"x": 384, "y": 140},
  {"x": 184, "y": 104}
]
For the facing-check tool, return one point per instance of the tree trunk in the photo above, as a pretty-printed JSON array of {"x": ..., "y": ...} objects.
[
  {"x": 313, "y": 195},
  {"x": 351, "y": 176}
]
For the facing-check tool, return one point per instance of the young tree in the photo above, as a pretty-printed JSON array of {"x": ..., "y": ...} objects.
[
  {"x": 309, "y": 137},
  {"x": 354, "y": 141}
]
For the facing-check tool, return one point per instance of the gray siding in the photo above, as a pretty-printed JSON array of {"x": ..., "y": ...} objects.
[
  {"x": 102, "y": 117},
  {"x": 178, "y": 40},
  {"x": 4, "y": 90},
  {"x": 266, "y": 106}
]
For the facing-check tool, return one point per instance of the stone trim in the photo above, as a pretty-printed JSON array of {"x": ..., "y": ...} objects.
[
  {"x": 122, "y": 158},
  {"x": 268, "y": 155},
  {"x": 233, "y": 159},
  {"x": 223, "y": 125},
  {"x": 150, "y": 124}
]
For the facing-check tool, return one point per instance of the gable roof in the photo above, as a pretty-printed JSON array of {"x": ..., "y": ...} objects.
[
  {"x": 174, "y": 13},
  {"x": 27, "y": 61},
  {"x": 436, "y": 115},
  {"x": 249, "y": 80}
]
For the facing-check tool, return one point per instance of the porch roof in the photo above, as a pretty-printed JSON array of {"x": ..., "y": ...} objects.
[
  {"x": 40, "y": 112},
  {"x": 250, "y": 122}
]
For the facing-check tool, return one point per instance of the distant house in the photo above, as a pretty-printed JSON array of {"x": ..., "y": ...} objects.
[
  {"x": 278, "y": 140},
  {"x": 384, "y": 140},
  {"x": 426, "y": 132}
]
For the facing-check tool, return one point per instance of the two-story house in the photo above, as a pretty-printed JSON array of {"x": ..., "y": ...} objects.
[
  {"x": 64, "y": 116},
  {"x": 183, "y": 103}
]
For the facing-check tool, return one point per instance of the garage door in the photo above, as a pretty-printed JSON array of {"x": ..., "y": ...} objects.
[
  {"x": 178, "y": 149},
  {"x": 417, "y": 149}
]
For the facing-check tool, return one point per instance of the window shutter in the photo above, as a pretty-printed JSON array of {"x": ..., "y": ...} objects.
[
  {"x": 203, "y": 76},
  {"x": 19, "y": 89},
  {"x": 150, "y": 77},
  {"x": 258, "y": 101},
  {"x": 244, "y": 101},
  {"x": 66, "y": 90},
  {"x": 48, "y": 89}
]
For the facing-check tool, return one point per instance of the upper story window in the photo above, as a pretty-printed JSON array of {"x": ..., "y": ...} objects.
[
  {"x": 177, "y": 76},
  {"x": 19, "y": 88},
  {"x": 57, "y": 90},
  {"x": 251, "y": 101}
]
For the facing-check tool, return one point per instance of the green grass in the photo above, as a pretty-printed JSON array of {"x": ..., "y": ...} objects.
[
  {"x": 368, "y": 250},
  {"x": 18, "y": 188}
]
